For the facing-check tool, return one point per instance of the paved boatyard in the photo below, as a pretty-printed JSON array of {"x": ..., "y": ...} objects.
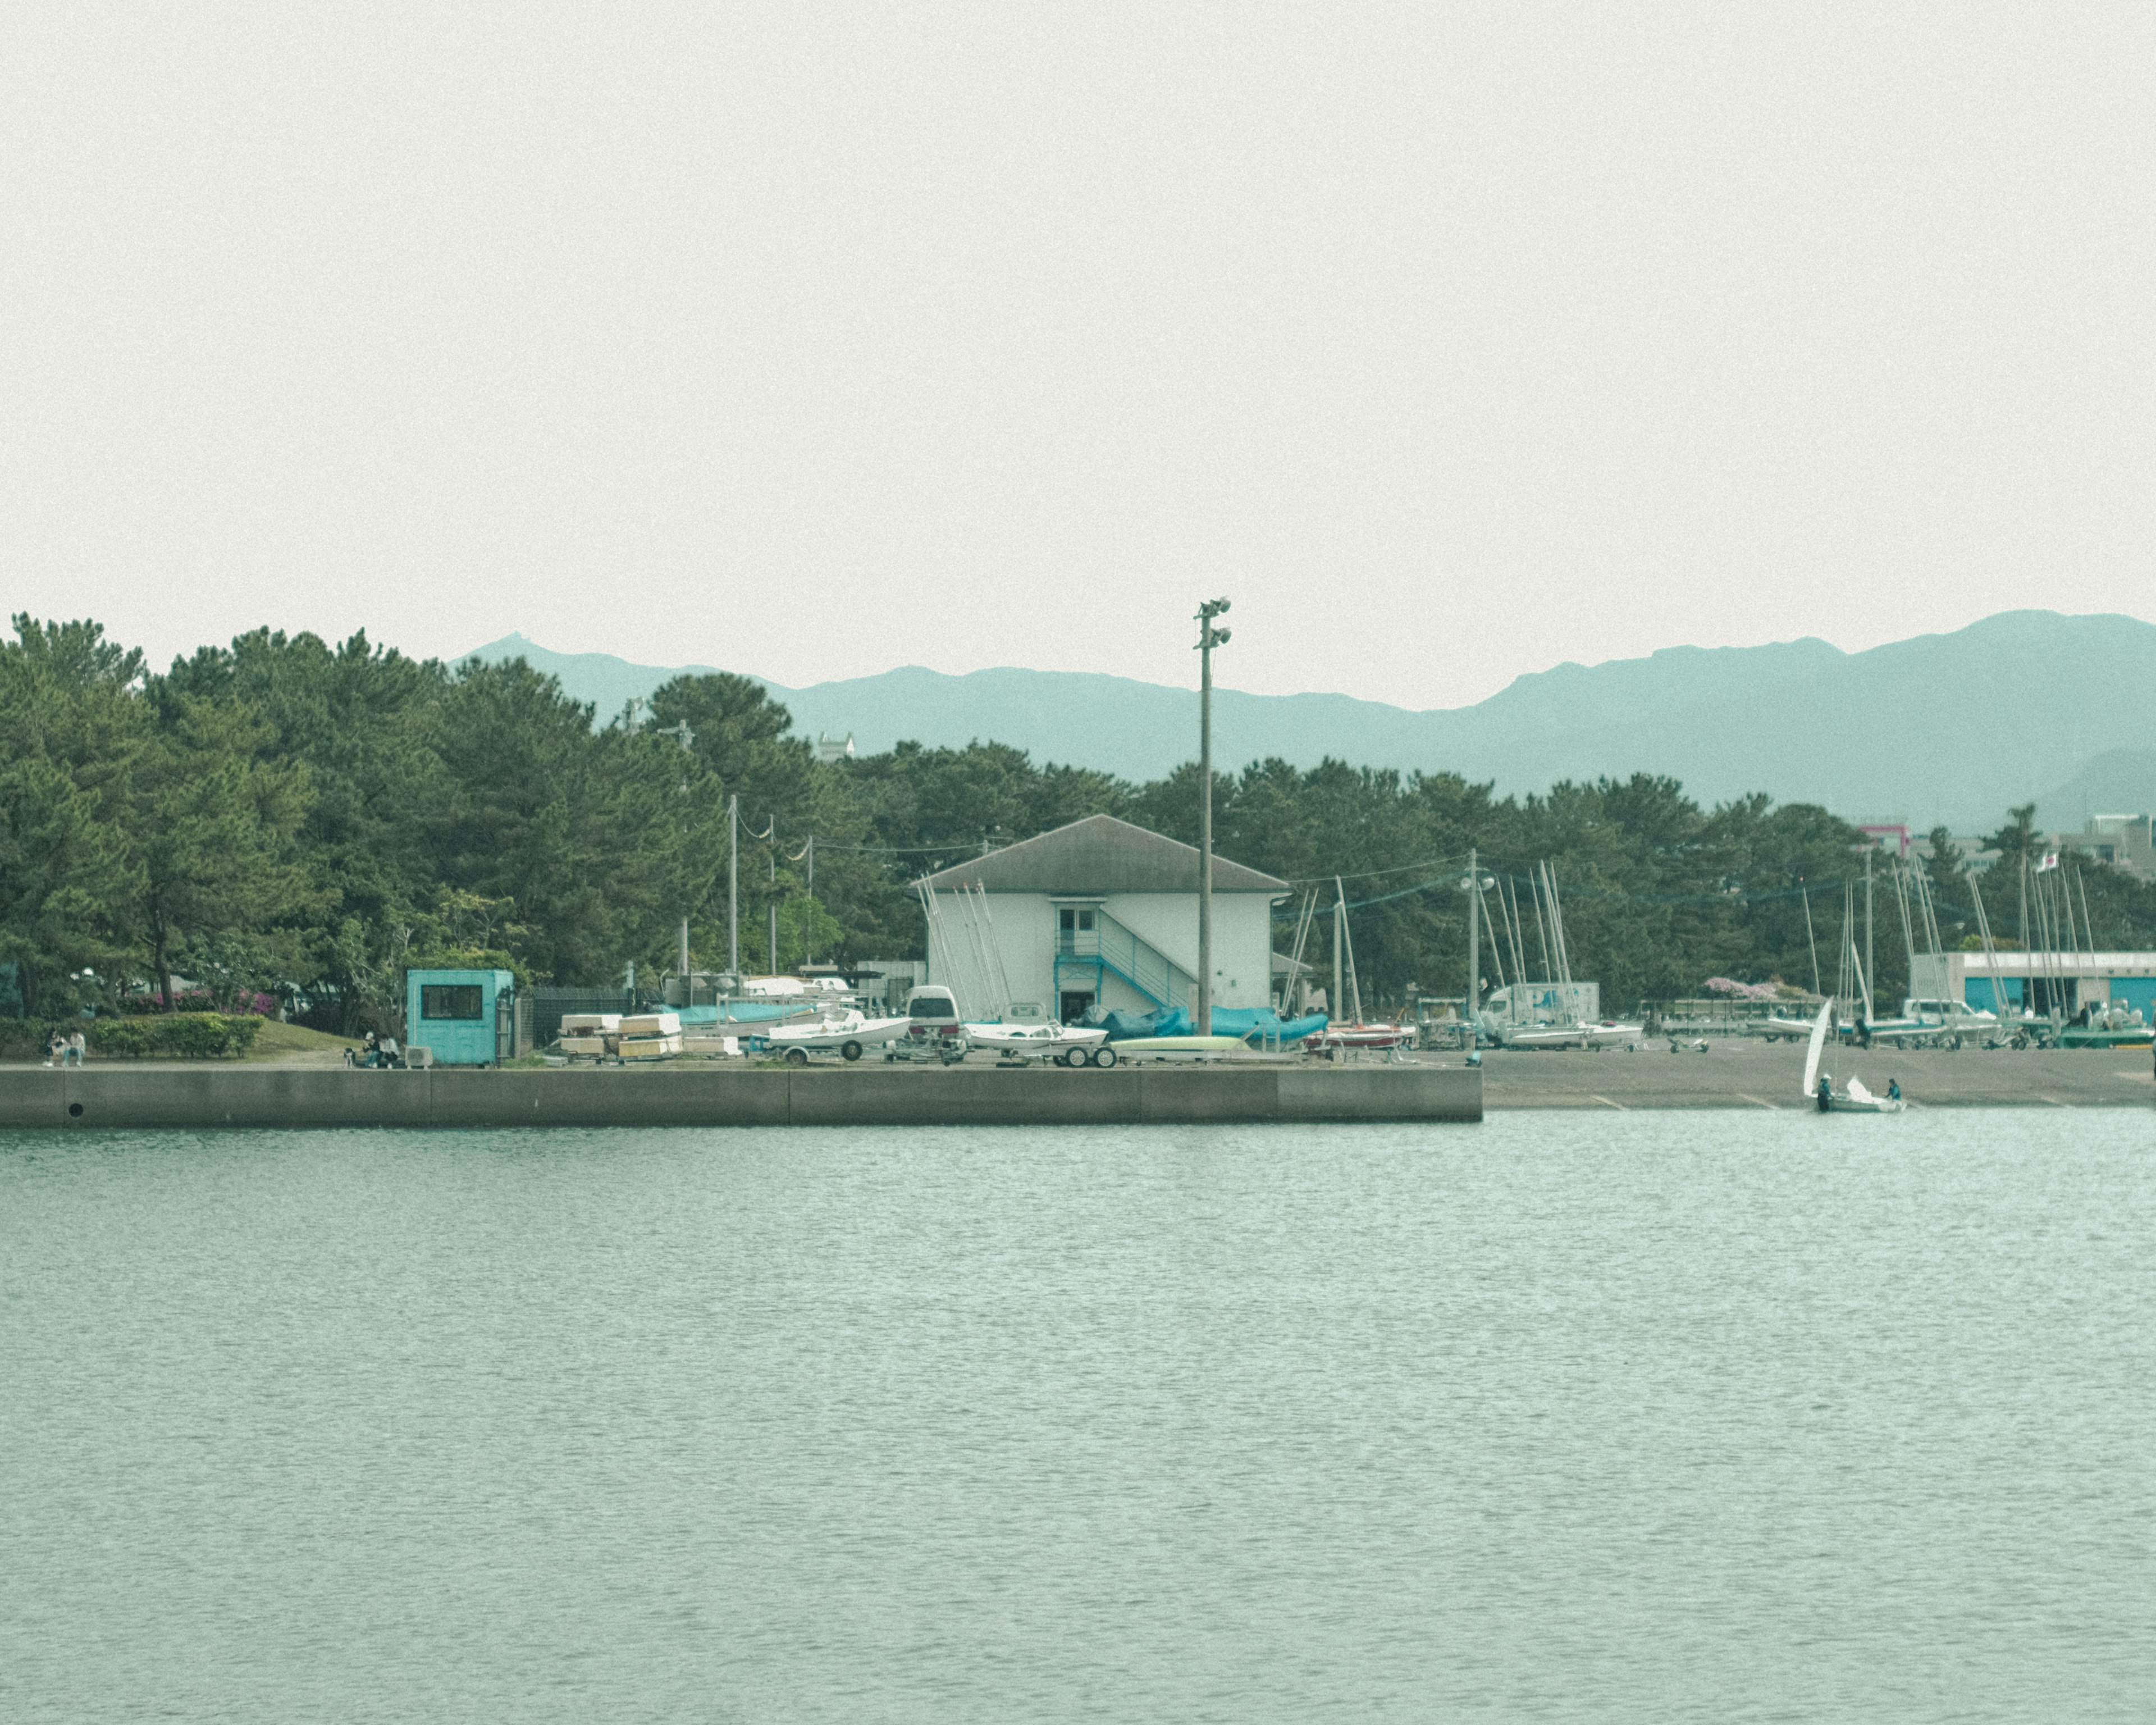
[
  {"x": 1746, "y": 1073},
  {"x": 1732, "y": 1073}
]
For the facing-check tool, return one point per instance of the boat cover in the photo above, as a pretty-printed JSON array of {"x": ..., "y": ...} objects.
[
  {"x": 1227, "y": 1021},
  {"x": 738, "y": 1012}
]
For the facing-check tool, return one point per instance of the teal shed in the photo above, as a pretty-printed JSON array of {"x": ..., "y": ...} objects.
[{"x": 465, "y": 1018}]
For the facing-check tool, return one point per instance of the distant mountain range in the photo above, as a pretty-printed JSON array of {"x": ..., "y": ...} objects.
[{"x": 1950, "y": 728}]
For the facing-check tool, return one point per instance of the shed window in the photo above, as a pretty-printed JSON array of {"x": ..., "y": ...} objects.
[{"x": 451, "y": 1000}]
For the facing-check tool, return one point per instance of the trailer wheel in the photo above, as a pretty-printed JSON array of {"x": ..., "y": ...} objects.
[
  {"x": 851, "y": 1051},
  {"x": 797, "y": 1056},
  {"x": 1104, "y": 1056}
]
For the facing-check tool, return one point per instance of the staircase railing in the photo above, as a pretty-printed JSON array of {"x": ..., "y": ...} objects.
[{"x": 1132, "y": 957}]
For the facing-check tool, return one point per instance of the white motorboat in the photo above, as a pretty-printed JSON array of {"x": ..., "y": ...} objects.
[
  {"x": 848, "y": 1036},
  {"x": 1580, "y": 1035},
  {"x": 1820, "y": 1093},
  {"x": 1066, "y": 1045}
]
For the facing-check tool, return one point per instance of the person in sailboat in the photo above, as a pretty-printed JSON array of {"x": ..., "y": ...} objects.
[
  {"x": 1893, "y": 1090},
  {"x": 1827, "y": 1093}
]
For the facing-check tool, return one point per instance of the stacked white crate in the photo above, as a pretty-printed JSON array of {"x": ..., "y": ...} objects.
[
  {"x": 649, "y": 1036},
  {"x": 590, "y": 1033}
]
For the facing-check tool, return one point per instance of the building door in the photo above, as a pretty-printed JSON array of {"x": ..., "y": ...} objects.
[{"x": 1074, "y": 1007}]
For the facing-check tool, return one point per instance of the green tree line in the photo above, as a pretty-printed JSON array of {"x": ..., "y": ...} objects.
[{"x": 287, "y": 814}]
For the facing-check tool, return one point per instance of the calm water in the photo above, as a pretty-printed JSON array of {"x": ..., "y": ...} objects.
[{"x": 1638, "y": 1417}]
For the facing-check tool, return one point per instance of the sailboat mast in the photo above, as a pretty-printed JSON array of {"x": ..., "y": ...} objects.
[
  {"x": 1869, "y": 967},
  {"x": 1339, "y": 939},
  {"x": 1541, "y": 928},
  {"x": 1474, "y": 934}
]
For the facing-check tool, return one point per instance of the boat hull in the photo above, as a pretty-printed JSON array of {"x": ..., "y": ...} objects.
[
  {"x": 1360, "y": 1036},
  {"x": 868, "y": 1033},
  {"x": 1177, "y": 1048},
  {"x": 2130, "y": 1037}
]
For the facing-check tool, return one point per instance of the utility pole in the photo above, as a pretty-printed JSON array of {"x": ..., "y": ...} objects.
[
  {"x": 1208, "y": 638},
  {"x": 733, "y": 887},
  {"x": 686, "y": 738}
]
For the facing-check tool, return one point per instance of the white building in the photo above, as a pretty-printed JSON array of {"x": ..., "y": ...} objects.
[
  {"x": 2126, "y": 841},
  {"x": 2037, "y": 982},
  {"x": 1098, "y": 911}
]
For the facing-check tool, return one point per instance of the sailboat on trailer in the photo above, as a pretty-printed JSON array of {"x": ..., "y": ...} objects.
[{"x": 1355, "y": 1033}]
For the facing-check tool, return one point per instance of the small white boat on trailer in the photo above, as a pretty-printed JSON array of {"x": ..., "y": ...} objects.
[
  {"x": 1819, "y": 1091},
  {"x": 1775, "y": 1026},
  {"x": 847, "y": 1037},
  {"x": 1611, "y": 1034},
  {"x": 1064, "y": 1044}
]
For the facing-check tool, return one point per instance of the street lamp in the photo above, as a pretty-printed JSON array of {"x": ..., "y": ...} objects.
[{"x": 1208, "y": 638}]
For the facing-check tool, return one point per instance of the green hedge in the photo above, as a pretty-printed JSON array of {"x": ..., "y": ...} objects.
[{"x": 177, "y": 1035}]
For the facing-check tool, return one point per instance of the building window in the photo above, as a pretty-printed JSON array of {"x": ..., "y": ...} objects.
[
  {"x": 1069, "y": 920},
  {"x": 1086, "y": 920},
  {"x": 451, "y": 1000}
]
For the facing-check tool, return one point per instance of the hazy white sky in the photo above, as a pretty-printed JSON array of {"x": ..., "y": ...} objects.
[{"x": 1452, "y": 342}]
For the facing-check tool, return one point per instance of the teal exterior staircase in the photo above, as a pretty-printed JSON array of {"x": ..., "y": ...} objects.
[{"x": 1083, "y": 954}]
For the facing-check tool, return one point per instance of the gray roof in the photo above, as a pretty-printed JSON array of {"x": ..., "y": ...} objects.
[{"x": 1099, "y": 855}]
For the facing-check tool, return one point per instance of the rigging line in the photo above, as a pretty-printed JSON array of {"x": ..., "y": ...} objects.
[
  {"x": 1435, "y": 862},
  {"x": 1511, "y": 899},
  {"x": 1542, "y": 925},
  {"x": 971, "y": 847},
  {"x": 1612, "y": 894}
]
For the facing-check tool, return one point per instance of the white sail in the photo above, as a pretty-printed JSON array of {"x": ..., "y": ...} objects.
[{"x": 1812, "y": 1056}]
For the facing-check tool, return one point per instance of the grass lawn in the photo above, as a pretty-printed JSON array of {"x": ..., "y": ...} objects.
[{"x": 280, "y": 1042}]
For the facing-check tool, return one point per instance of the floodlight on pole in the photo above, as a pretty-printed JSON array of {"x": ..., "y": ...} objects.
[{"x": 1208, "y": 638}]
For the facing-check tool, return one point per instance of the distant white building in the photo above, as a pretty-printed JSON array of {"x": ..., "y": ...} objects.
[
  {"x": 1100, "y": 911},
  {"x": 2125, "y": 841},
  {"x": 833, "y": 748},
  {"x": 2037, "y": 982}
]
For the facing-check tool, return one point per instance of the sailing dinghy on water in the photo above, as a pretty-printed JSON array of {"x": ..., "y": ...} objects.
[{"x": 1820, "y": 1092}]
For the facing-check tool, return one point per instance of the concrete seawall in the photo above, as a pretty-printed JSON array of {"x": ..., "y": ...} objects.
[{"x": 207, "y": 1096}]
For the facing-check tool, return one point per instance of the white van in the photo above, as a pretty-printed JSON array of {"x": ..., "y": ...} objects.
[{"x": 936, "y": 1027}]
